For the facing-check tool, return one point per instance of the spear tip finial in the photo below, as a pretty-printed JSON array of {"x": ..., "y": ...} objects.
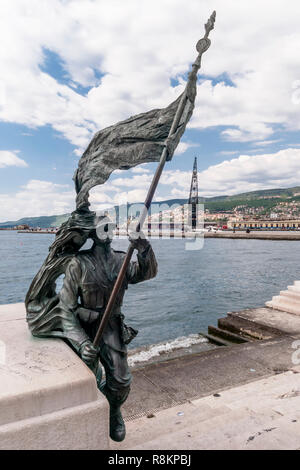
[
  {"x": 204, "y": 43},
  {"x": 210, "y": 23}
]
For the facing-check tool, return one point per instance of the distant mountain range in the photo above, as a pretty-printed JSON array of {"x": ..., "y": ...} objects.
[
  {"x": 43, "y": 221},
  {"x": 265, "y": 198}
]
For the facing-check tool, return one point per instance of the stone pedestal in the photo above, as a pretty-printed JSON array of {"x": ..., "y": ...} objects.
[{"x": 48, "y": 396}]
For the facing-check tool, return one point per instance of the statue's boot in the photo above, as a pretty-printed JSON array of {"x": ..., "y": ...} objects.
[
  {"x": 117, "y": 430},
  {"x": 116, "y": 395},
  {"x": 116, "y": 398}
]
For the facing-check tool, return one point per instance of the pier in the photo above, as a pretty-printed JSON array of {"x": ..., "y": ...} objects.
[{"x": 253, "y": 235}]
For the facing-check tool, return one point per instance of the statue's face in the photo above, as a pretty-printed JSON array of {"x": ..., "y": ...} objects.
[{"x": 79, "y": 238}]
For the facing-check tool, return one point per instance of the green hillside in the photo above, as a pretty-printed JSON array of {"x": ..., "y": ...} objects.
[
  {"x": 282, "y": 192},
  {"x": 43, "y": 221},
  {"x": 266, "y": 199}
]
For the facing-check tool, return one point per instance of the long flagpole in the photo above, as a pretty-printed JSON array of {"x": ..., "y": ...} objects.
[{"x": 201, "y": 47}]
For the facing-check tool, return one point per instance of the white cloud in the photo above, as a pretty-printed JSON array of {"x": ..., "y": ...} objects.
[
  {"x": 37, "y": 198},
  {"x": 112, "y": 192},
  {"x": 184, "y": 146},
  {"x": 139, "y": 169},
  {"x": 242, "y": 174},
  {"x": 264, "y": 143},
  {"x": 46, "y": 187},
  {"x": 250, "y": 173},
  {"x": 120, "y": 172},
  {"x": 99, "y": 197},
  {"x": 136, "y": 181},
  {"x": 8, "y": 158},
  {"x": 135, "y": 195},
  {"x": 96, "y": 199},
  {"x": 259, "y": 53},
  {"x": 228, "y": 152}
]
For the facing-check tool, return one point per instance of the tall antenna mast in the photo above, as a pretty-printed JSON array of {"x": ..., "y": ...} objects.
[{"x": 193, "y": 199}]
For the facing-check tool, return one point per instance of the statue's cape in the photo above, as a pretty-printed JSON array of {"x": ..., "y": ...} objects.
[
  {"x": 44, "y": 315},
  {"x": 139, "y": 139}
]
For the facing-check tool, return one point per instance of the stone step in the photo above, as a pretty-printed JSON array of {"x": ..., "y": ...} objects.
[
  {"x": 265, "y": 389},
  {"x": 281, "y": 433},
  {"x": 283, "y": 437},
  {"x": 165, "y": 422},
  {"x": 293, "y": 300},
  {"x": 294, "y": 289},
  {"x": 290, "y": 294},
  {"x": 227, "y": 335},
  {"x": 236, "y": 433},
  {"x": 284, "y": 304},
  {"x": 185, "y": 437},
  {"x": 236, "y": 430},
  {"x": 216, "y": 432},
  {"x": 289, "y": 406},
  {"x": 246, "y": 328},
  {"x": 216, "y": 340},
  {"x": 273, "y": 399},
  {"x": 271, "y": 320},
  {"x": 191, "y": 416}
]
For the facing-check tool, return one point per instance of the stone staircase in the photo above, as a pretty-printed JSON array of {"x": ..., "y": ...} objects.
[
  {"x": 264, "y": 414},
  {"x": 247, "y": 326},
  {"x": 224, "y": 336},
  {"x": 280, "y": 317},
  {"x": 288, "y": 300}
]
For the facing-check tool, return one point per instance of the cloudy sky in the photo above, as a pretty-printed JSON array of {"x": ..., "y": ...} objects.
[{"x": 72, "y": 67}]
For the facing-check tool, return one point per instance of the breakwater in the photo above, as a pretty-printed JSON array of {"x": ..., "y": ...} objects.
[{"x": 239, "y": 235}]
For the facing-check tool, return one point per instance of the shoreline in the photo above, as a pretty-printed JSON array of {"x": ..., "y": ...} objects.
[{"x": 254, "y": 235}]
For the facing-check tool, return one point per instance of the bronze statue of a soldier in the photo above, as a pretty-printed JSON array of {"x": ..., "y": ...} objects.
[
  {"x": 87, "y": 310},
  {"x": 75, "y": 312}
]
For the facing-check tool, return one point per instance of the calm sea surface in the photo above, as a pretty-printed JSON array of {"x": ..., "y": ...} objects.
[{"x": 192, "y": 289}]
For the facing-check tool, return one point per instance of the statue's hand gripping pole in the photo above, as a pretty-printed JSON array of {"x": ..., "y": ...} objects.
[{"x": 202, "y": 45}]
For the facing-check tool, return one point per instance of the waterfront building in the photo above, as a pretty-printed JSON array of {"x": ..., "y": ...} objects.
[{"x": 264, "y": 224}]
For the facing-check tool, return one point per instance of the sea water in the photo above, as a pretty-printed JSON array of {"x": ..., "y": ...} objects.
[{"x": 191, "y": 291}]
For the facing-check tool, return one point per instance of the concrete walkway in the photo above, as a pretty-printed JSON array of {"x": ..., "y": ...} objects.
[
  {"x": 264, "y": 414},
  {"x": 165, "y": 384}
]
